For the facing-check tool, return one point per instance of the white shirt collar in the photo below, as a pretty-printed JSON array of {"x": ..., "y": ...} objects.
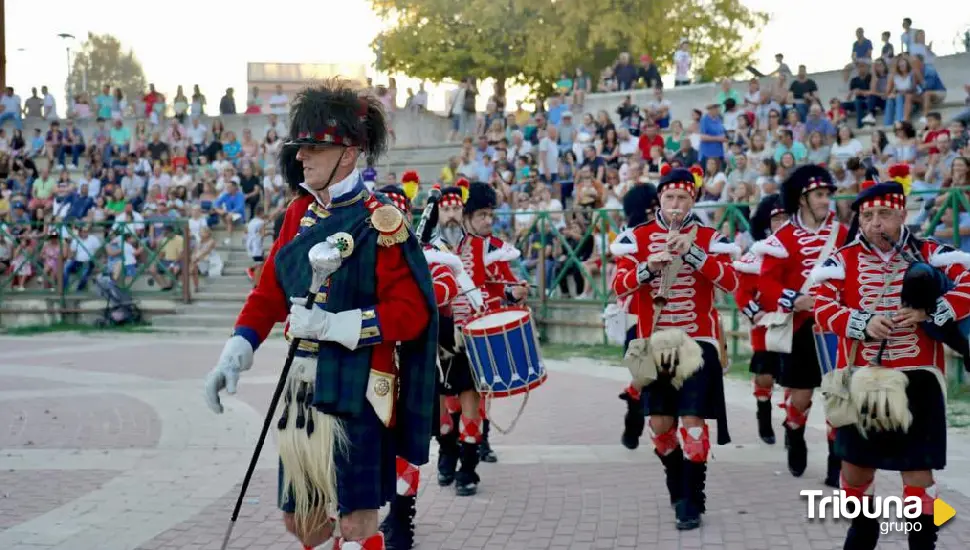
[
  {"x": 342, "y": 187},
  {"x": 808, "y": 229}
]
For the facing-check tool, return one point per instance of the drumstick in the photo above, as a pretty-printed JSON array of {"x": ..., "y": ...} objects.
[{"x": 514, "y": 283}]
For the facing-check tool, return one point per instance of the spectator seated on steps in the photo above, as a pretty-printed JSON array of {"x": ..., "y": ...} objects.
[
  {"x": 231, "y": 208},
  {"x": 205, "y": 258},
  {"x": 167, "y": 268}
]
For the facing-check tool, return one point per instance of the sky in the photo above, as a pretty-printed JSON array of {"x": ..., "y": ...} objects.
[{"x": 228, "y": 34}]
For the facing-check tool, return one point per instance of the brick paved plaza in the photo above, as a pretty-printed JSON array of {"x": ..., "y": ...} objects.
[{"x": 106, "y": 444}]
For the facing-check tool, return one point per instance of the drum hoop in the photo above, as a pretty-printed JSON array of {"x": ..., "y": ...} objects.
[
  {"x": 488, "y": 391},
  {"x": 498, "y": 329}
]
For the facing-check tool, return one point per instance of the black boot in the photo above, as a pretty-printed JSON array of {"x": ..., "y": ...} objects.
[
  {"x": 466, "y": 480},
  {"x": 765, "y": 431},
  {"x": 633, "y": 422},
  {"x": 925, "y": 538},
  {"x": 674, "y": 469},
  {"x": 797, "y": 451},
  {"x": 833, "y": 467},
  {"x": 690, "y": 507},
  {"x": 398, "y": 526},
  {"x": 485, "y": 452},
  {"x": 447, "y": 458},
  {"x": 863, "y": 534}
]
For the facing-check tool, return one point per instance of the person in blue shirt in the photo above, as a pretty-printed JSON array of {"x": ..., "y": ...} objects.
[
  {"x": 81, "y": 204},
  {"x": 713, "y": 135},
  {"x": 231, "y": 207},
  {"x": 862, "y": 47}
]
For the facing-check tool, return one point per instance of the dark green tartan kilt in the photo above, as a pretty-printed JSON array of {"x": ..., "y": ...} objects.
[
  {"x": 701, "y": 395},
  {"x": 923, "y": 447},
  {"x": 366, "y": 474}
]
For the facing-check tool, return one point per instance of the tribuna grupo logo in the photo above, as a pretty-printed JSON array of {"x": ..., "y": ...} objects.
[{"x": 896, "y": 514}]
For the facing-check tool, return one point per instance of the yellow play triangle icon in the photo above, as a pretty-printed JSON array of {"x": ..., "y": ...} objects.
[{"x": 942, "y": 512}]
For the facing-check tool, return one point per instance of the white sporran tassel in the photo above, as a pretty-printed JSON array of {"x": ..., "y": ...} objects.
[{"x": 309, "y": 466}]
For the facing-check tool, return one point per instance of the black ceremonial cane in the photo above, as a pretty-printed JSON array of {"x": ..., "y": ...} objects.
[{"x": 294, "y": 345}]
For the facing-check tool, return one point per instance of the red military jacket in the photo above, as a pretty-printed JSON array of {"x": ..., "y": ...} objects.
[
  {"x": 444, "y": 267},
  {"x": 690, "y": 301},
  {"x": 746, "y": 296},
  {"x": 486, "y": 261},
  {"x": 398, "y": 315},
  {"x": 849, "y": 287},
  {"x": 787, "y": 258}
]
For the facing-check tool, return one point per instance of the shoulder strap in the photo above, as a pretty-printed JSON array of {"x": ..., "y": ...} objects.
[{"x": 824, "y": 254}]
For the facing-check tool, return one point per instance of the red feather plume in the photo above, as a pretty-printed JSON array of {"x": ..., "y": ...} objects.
[
  {"x": 410, "y": 176},
  {"x": 900, "y": 170},
  {"x": 665, "y": 169},
  {"x": 462, "y": 182},
  {"x": 866, "y": 185},
  {"x": 697, "y": 170}
]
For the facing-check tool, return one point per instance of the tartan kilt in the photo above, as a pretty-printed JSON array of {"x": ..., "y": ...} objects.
[
  {"x": 701, "y": 395},
  {"x": 366, "y": 474},
  {"x": 800, "y": 369},
  {"x": 765, "y": 362},
  {"x": 923, "y": 447},
  {"x": 457, "y": 373}
]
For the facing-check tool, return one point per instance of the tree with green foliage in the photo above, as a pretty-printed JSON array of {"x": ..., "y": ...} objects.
[
  {"x": 101, "y": 62},
  {"x": 446, "y": 39},
  {"x": 532, "y": 41}
]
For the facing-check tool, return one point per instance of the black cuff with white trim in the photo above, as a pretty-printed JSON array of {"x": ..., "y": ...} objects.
[
  {"x": 858, "y": 321},
  {"x": 695, "y": 257},
  {"x": 944, "y": 312}
]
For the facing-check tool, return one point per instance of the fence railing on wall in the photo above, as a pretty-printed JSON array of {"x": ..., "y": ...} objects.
[{"x": 43, "y": 260}]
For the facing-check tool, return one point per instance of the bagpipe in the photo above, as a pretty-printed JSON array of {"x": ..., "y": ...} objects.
[{"x": 923, "y": 285}]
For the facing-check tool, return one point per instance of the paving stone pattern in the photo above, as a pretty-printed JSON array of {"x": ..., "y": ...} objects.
[{"x": 106, "y": 443}]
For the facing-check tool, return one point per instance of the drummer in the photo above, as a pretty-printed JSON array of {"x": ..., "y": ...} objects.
[{"x": 463, "y": 227}]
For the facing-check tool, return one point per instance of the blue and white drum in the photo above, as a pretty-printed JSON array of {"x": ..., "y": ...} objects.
[
  {"x": 504, "y": 352},
  {"x": 827, "y": 350}
]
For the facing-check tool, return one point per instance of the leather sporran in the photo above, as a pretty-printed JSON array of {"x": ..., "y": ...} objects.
[{"x": 839, "y": 409}]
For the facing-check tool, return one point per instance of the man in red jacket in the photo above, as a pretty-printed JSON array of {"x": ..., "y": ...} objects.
[
  {"x": 462, "y": 227},
  {"x": 672, "y": 267},
  {"x": 768, "y": 218},
  {"x": 889, "y": 320},
  {"x": 811, "y": 235},
  {"x": 366, "y": 344}
]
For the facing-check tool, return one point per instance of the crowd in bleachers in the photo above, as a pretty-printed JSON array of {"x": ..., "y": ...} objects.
[
  {"x": 559, "y": 157},
  {"x": 130, "y": 184},
  {"x": 122, "y": 186}
]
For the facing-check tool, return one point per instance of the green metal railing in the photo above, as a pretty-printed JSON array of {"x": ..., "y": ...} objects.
[{"x": 44, "y": 251}]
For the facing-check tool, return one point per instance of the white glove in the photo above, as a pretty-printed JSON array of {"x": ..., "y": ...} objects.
[
  {"x": 237, "y": 356},
  {"x": 320, "y": 325},
  {"x": 467, "y": 287}
]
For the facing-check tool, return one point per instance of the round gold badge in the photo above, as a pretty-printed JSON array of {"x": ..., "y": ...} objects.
[
  {"x": 343, "y": 242},
  {"x": 382, "y": 387}
]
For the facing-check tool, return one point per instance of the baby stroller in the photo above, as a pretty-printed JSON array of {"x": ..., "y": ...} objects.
[{"x": 120, "y": 309}]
